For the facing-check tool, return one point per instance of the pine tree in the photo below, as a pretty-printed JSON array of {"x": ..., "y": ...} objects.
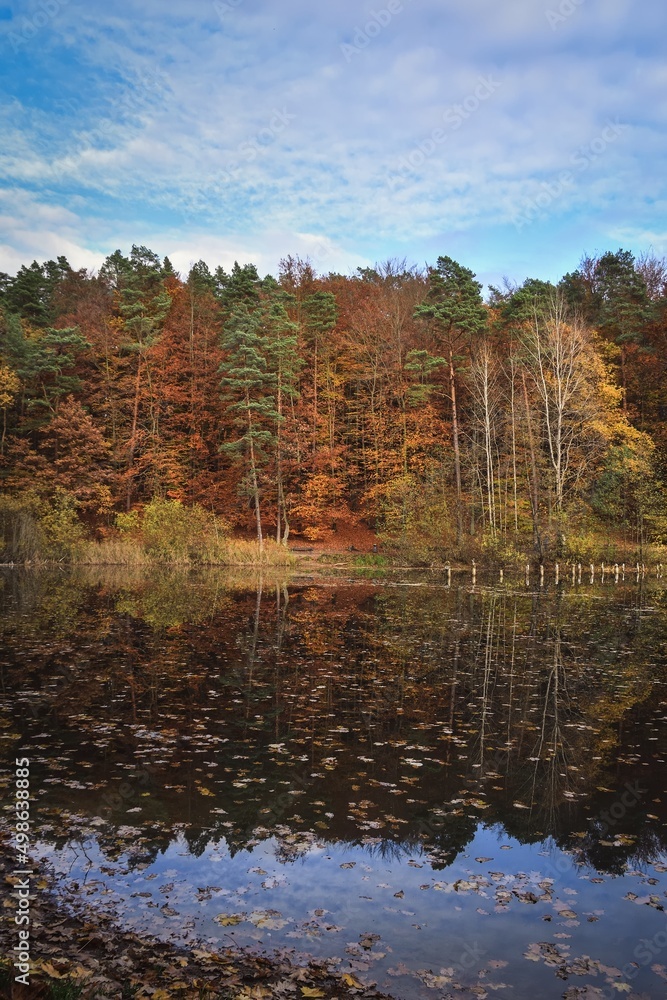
[
  {"x": 248, "y": 388},
  {"x": 455, "y": 307}
]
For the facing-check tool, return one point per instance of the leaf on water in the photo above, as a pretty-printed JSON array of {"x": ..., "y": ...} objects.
[
  {"x": 230, "y": 919},
  {"x": 400, "y": 969},
  {"x": 271, "y": 919}
]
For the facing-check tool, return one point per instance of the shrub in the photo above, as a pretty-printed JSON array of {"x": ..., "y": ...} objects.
[
  {"x": 61, "y": 529},
  {"x": 128, "y": 524},
  {"x": 177, "y": 533},
  {"x": 34, "y": 529}
]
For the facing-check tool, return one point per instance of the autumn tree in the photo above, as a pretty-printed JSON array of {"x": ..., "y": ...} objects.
[{"x": 454, "y": 305}]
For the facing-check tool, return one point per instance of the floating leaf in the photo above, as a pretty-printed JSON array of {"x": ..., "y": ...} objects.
[{"x": 230, "y": 919}]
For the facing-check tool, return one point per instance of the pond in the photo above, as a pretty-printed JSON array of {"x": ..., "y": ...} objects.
[{"x": 448, "y": 791}]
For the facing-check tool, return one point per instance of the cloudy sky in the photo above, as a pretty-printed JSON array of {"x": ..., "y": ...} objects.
[{"x": 512, "y": 135}]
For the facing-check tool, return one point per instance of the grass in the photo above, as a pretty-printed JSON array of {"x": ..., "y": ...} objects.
[
  {"x": 369, "y": 560},
  {"x": 223, "y": 552},
  {"x": 64, "y": 990}
]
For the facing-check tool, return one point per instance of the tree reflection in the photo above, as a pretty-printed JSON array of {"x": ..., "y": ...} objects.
[{"x": 399, "y": 718}]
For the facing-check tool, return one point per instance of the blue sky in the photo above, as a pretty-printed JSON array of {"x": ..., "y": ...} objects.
[{"x": 513, "y": 136}]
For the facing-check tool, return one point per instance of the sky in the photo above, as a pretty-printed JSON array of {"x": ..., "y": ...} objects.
[{"x": 513, "y": 136}]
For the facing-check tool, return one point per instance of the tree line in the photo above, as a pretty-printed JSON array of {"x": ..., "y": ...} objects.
[{"x": 396, "y": 397}]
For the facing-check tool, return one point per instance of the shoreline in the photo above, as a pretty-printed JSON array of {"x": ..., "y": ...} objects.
[{"x": 74, "y": 945}]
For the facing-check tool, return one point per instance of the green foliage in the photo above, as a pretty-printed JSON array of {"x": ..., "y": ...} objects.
[
  {"x": 241, "y": 287},
  {"x": 368, "y": 559},
  {"x": 33, "y": 529},
  {"x": 588, "y": 543},
  {"x": 30, "y": 294},
  {"x": 64, "y": 989},
  {"x": 44, "y": 362},
  {"x": 320, "y": 313},
  {"x": 501, "y": 551},
  {"x": 532, "y": 300},
  {"x": 176, "y": 533},
  {"x": 627, "y": 491},
  {"x": 248, "y": 382},
  {"x": 621, "y": 296},
  {"x": 454, "y": 300},
  {"x": 414, "y": 516},
  {"x": 19, "y": 532},
  {"x": 422, "y": 365},
  {"x": 129, "y": 990},
  {"x": 61, "y": 529},
  {"x": 128, "y": 523}
]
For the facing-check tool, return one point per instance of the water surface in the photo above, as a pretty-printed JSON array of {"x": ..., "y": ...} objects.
[{"x": 446, "y": 791}]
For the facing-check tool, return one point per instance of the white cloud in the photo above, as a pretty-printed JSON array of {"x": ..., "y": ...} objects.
[{"x": 177, "y": 129}]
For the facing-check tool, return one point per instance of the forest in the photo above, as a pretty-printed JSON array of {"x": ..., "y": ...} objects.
[{"x": 139, "y": 404}]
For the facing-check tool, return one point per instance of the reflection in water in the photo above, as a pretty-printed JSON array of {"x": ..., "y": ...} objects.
[{"x": 209, "y": 726}]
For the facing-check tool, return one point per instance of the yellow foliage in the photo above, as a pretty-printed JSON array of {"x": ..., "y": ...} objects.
[{"x": 10, "y": 384}]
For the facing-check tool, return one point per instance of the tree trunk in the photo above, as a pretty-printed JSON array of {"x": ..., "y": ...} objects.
[
  {"x": 253, "y": 477},
  {"x": 457, "y": 453},
  {"x": 133, "y": 435},
  {"x": 534, "y": 496}
]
